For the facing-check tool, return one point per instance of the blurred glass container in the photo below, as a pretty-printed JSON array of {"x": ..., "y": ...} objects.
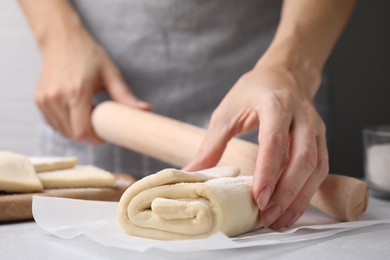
[{"x": 376, "y": 141}]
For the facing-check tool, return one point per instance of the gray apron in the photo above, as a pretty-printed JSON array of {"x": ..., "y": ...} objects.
[{"x": 174, "y": 54}]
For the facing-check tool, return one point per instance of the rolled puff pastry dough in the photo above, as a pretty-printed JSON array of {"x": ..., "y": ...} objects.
[
  {"x": 77, "y": 177},
  {"x": 17, "y": 174},
  {"x": 174, "y": 204}
]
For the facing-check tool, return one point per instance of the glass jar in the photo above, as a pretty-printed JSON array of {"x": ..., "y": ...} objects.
[{"x": 376, "y": 142}]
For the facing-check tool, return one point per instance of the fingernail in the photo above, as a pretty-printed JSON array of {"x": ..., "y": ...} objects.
[
  {"x": 137, "y": 103},
  {"x": 284, "y": 220},
  {"x": 263, "y": 197},
  {"x": 271, "y": 214}
]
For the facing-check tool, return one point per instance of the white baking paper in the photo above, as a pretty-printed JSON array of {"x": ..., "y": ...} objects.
[{"x": 69, "y": 218}]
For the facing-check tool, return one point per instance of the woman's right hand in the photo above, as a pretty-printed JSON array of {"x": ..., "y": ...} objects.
[{"x": 74, "y": 67}]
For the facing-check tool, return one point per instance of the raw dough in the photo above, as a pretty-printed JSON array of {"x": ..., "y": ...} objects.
[
  {"x": 173, "y": 204},
  {"x": 17, "y": 174},
  {"x": 44, "y": 164},
  {"x": 77, "y": 177}
]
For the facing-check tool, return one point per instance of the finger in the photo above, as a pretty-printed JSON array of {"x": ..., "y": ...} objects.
[
  {"x": 43, "y": 102},
  {"x": 302, "y": 162},
  {"x": 92, "y": 138},
  {"x": 61, "y": 113},
  {"x": 52, "y": 121},
  {"x": 80, "y": 109},
  {"x": 210, "y": 152},
  {"x": 120, "y": 92},
  {"x": 303, "y": 199},
  {"x": 273, "y": 142},
  {"x": 223, "y": 127}
]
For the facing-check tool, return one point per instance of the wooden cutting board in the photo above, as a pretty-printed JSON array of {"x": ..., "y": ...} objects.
[{"x": 14, "y": 207}]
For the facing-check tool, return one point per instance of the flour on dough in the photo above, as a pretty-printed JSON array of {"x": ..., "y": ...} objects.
[
  {"x": 77, "y": 177},
  {"x": 17, "y": 174}
]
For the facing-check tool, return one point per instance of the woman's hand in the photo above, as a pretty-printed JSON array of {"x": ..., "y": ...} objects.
[
  {"x": 276, "y": 96},
  {"x": 74, "y": 68},
  {"x": 292, "y": 159}
]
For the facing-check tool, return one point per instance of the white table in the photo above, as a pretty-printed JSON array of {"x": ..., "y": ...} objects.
[{"x": 26, "y": 240}]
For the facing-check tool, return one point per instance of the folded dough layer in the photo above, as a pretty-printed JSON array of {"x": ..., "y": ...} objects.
[
  {"x": 44, "y": 164},
  {"x": 81, "y": 176},
  {"x": 173, "y": 204},
  {"x": 17, "y": 174}
]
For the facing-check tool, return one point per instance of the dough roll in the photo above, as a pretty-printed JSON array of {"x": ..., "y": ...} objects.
[{"x": 173, "y": 204}]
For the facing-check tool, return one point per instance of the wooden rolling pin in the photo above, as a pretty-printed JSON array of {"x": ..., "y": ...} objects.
[{"x": 344, "y": 198}]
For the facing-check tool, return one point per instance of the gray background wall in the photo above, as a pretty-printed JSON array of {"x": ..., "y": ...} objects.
[
  {"x": 358, "y": 77},
  {"x": 19, "y": 66},
  {"x": 359, "y": 80}
]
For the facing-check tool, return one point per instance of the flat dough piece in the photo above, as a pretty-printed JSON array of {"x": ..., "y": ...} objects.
[
  {"x": 44, "y": 164},
  {"x": 77, "y": 177},
  {"x": 17, "y": 174}
]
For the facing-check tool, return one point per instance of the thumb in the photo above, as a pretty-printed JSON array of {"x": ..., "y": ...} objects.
[
  {"x": 211, "y": 149},
  {"x": 120, "y": 92}
]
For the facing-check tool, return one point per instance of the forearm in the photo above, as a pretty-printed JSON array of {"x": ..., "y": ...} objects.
[
  {"x": 306, "y": 34},
  {"x": 52, "y": 21}
]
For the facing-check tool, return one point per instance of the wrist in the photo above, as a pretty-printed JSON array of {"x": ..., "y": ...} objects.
[
  {"x": 61, "y": 31},
  {"x": 289, "y": 57},
  {"x": 53, "y": 22}
]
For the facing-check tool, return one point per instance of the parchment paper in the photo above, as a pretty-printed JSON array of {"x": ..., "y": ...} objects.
[{"x": 69, "y": 218}]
